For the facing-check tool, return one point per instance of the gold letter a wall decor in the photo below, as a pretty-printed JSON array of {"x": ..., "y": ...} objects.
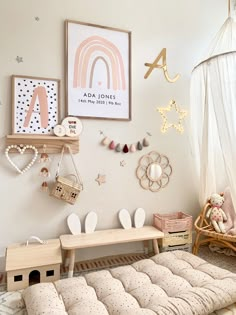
[{"x": 163, "y": 66}]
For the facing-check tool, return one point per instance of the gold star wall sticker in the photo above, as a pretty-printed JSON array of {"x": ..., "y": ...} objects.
[
  {"x": 181, "y": 115},
  {"x": 101, "y": 179}
]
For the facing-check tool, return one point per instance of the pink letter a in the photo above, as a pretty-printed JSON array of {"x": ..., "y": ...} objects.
[{"x": 40, "y": 91}]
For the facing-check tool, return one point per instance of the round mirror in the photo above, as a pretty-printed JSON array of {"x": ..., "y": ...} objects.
[{"x": 154, "y": 171}]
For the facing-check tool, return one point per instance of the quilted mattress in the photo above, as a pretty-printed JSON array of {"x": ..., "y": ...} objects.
[{"x": 177, "y": 283}]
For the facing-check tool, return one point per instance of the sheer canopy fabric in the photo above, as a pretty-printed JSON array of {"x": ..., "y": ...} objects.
[{"x": 213, "y": 115}]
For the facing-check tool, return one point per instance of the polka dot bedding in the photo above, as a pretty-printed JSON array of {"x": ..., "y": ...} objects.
[{"x": 171, "y": 283}]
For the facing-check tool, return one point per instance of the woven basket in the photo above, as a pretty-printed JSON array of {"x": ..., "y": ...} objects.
[
  {"x": 64, "y": 188},
  {"x": 172, "y": 222}
]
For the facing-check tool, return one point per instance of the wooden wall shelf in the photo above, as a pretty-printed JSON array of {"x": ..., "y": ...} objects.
[{"x": 53, "y": 144}]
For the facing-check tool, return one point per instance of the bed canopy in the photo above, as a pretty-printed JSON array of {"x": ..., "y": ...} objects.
[{"x": 213, "y": 112}]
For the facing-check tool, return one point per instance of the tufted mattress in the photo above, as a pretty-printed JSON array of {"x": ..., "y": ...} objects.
[{"x": 177, "y": 283}]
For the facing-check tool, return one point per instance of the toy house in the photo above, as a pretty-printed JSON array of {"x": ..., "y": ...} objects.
[{"x": 34, "y": 263}]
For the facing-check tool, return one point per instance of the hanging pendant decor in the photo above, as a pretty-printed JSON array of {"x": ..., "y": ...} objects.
[
  {"x": 44, "y": 157},
  {"x": 178, "y": 125},
  {"x": 145, "y": 142},
  {"x": 118, "y": 148},
  {"x": 125, "y": 148},
  {"x": 44, "y": 186},
  {"x": 105, "y": 141},
  {"x": 44, "y": 172},
  {"x": 112, "y": 145},
  {"x": 139, "y": 146},
  {"x": 132, "y": 148}
]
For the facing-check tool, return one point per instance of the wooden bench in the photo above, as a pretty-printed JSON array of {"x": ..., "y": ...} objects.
[{"x": 71, "y": 242}]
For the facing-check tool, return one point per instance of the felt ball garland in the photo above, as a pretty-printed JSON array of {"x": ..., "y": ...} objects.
[{"x": 125, "y": 148}]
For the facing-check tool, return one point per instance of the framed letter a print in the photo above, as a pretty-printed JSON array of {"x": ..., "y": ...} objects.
[
  {"x": 98, "y": 71},
  {"x": 35, "y": 104}
]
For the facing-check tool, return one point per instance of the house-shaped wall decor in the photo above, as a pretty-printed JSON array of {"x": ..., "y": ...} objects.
[{"x": 34, "y": 263}]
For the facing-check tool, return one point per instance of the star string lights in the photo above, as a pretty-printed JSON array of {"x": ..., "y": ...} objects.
[{"x": 178, "y": 125}]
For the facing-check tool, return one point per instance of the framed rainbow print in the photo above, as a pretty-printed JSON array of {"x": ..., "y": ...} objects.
[
  {"x": 35, "y": 105},
  {"x": 98, "y": 71}
]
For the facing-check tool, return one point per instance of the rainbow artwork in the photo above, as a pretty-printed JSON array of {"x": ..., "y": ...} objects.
[{"x": 98, "y": 72}]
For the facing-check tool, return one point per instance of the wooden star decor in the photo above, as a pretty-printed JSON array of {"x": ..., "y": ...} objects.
[
  {"x": 181, "y": 115},
  {"x": 101, "y": 179}
]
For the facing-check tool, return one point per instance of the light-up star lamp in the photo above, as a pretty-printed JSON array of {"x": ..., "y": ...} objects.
[{"x": 178, "y": 126}]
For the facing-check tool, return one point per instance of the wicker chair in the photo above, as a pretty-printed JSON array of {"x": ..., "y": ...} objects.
[{"x": 205, "y": 233}]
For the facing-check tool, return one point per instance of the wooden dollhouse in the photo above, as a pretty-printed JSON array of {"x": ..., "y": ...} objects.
[{"x": 32, "y": 263}]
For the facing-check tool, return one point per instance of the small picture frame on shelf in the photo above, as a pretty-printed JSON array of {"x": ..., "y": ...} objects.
[
  {"x": 35, "y": 105},
  {"x": 98, "y": 71}
]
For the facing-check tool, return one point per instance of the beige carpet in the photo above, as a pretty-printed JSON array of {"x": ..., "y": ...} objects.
[{"x": 220, "y": 260}]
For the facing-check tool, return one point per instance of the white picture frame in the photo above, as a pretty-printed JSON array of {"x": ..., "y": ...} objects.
[
  {"x": 35, "y": 105},
  {"x": 98, "y": 71}
]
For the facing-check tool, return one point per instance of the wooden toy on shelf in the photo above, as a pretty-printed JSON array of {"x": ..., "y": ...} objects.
[{"x": 32, "y": 263}]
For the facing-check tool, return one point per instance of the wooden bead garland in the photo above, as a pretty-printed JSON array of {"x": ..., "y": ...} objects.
[{"x": 21, "y": 149}]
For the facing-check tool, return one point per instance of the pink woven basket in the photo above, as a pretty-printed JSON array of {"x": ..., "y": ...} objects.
[{"x": 174, "y": 222}]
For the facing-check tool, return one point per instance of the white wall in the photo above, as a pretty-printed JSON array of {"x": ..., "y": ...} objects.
[{"x": 185, "y": 28}]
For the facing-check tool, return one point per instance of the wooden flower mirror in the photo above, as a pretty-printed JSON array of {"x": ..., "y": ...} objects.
[{"x": 154, "y": 171}]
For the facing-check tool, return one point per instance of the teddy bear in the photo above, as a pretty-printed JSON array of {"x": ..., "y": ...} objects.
[{"x": 216, "y": 213}]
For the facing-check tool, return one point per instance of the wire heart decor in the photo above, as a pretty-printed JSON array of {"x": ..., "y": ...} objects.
[{"x": 21, "y": 149}]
